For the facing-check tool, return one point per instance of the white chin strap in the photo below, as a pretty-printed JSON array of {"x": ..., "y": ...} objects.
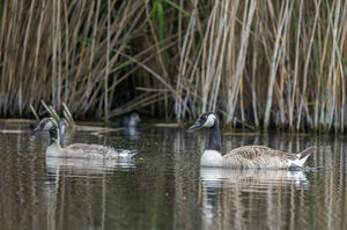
[
  {"x": 210, "y": 121},
  {"x": 49, "y": 125}
]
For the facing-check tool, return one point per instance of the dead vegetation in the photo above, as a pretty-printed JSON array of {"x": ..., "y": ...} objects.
[{"x": 258, "y": 63}]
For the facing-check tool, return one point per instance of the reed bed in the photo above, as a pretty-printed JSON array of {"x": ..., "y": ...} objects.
[{"x": 259, "y": 64}]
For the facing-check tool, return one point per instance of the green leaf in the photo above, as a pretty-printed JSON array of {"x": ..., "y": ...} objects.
[{"x": 174, "y": 5}]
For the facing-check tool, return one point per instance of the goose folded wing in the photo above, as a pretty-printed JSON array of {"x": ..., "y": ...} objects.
[{"x": 257, "y": 153}]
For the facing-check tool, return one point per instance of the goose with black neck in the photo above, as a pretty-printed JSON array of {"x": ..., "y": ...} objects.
[{"x": 253, "y": 156}]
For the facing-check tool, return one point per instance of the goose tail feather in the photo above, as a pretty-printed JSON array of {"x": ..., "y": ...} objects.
[{"x": 307, "y": 152}]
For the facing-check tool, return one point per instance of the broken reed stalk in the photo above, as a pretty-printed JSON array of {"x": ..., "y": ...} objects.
[
  {"x": 34, "y": 112},
  {"x": 50, "y": 110},
  {"x": 68, "y": 116},
  {"x": 53, "y": 113}
]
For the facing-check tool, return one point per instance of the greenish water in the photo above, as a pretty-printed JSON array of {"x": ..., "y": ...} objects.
[{"x": 164, "y": 187}]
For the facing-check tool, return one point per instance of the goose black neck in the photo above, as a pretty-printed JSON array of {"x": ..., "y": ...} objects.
[
  {"x": 214, "y": 142},
  {"x": 54, "y": 135}
]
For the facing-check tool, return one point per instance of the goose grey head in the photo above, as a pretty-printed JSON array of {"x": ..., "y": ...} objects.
[
  {"x": 46, "y": 124},
  {"x": 206, "y": 120}
]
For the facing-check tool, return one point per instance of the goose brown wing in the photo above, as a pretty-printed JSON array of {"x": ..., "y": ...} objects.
[
  {"x": 254, "y": 152},
  {"x": 89, "y": 149}
]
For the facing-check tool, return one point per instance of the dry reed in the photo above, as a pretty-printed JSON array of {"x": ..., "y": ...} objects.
[{"x": 258, "y": 63}]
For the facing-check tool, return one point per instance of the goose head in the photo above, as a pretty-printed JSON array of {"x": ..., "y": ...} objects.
[
  {"x": 46, "y": 124},
  {"x": 206, "y": 120},
  {"x": 50, "y": 125}
]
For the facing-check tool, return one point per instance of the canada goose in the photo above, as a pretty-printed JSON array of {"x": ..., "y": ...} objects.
[
  {"x": 132, "y": 120},
  {"x": 247, "y": 156},
  {"x": 90, "y": 151}
]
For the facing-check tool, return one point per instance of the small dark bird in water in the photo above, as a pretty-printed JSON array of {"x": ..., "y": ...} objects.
[{"x": 132, "y": 120}]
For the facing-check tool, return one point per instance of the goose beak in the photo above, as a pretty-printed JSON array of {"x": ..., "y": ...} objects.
[
  {"x": 196, "y": 125},
  {"x": 36, "y": 127}
]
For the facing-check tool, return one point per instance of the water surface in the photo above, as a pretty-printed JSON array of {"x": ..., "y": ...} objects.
[{"x": 164, "y": 186}]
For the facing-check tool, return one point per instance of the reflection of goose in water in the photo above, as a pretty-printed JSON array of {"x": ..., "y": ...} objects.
[
  {"x": 84, "y": 167},
  {"x": 222, "y": 184},
  {"x": 247, "y": 156},
  {"x": 211, "y": 190},
  {"x": 79, "y": 167},
  {"x": 252, "y": 176},
  {"x": 58, "y": 169}
]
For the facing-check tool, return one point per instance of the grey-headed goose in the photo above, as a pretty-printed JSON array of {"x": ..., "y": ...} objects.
[{"x": 89, "y": 151}]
